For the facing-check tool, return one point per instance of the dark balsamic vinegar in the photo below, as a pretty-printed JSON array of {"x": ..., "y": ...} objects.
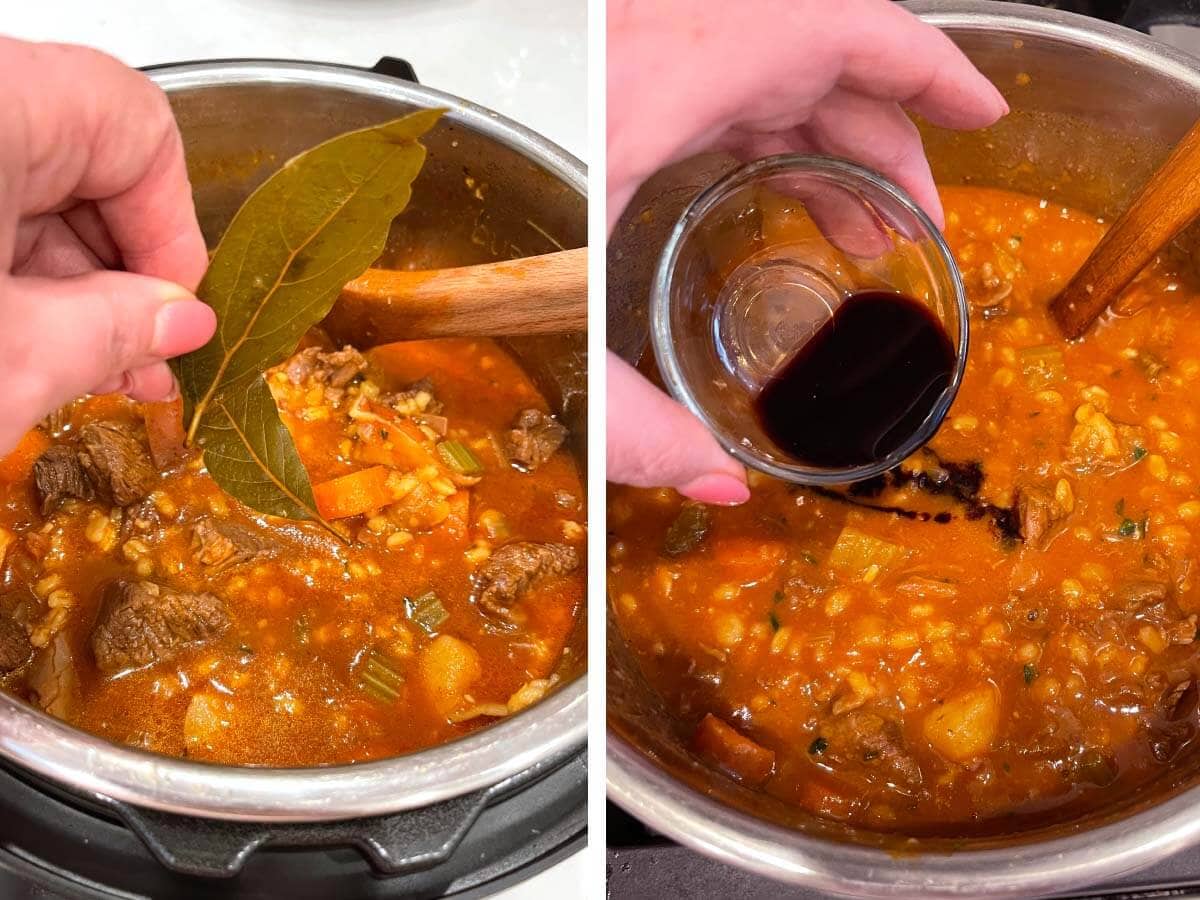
[{"x": 861, "y": 385}]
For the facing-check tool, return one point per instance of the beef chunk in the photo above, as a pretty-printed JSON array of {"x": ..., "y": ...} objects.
[
  {"x": 141, "y": 623},
  {"x": 512, "y": 569},
  {"x": 1175, "y": 726},
  {"x": 1055, "y": 737},
  {"x": 1180, "y": 701},
  {"x": 117, "y": 464},
  {"x": 1138, "y": 595},
  {"x": 533, "y": 439},
  {"x": 1038, "y": 514},
  {"x": 53, "y": 679},
  {"x": 15, "y": 648},
  {"x": 58, "y": 475},
  {"x": 335, "y": 369},
  {"x": 225, "y": 544},
  {"x": 143, "y": 517},
  {"x": 110, "y": 465},
  {"x": 864, "y": 736},
  {"x": 416, "y": 399}
]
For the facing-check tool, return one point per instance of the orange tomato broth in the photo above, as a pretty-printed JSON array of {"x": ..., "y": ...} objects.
[
  {"x": 282, "y": 686},
  {"x": 938, "y": 678}
]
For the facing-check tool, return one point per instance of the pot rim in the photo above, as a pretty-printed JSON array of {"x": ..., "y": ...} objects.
[
  {"x": 737, "y": 838},
  {"x": 551, "y": 728}
]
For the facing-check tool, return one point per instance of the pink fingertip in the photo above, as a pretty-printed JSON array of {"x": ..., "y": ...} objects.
[
  {"x": 717, "y": 488},
  {"x": 181, "y": 326},
  {"x": 999, "y": 103}
]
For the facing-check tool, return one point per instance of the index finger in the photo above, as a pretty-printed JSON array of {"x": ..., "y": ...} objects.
[
  {"x": 894, "y": 56},
  {"x": 94, "y": 129}
]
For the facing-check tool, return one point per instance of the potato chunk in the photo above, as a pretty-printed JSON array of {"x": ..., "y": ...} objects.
[
  {"x": 1094, "y": 438},
  {"x": 965, "y": 725},
  {"x": 206, "y": 721},
  {"x": 448, "y": 667},
  {"x": 857, "y": 554}
]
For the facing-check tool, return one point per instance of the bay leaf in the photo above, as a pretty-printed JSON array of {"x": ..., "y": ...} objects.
[
  {"x": 317, "y": 223},
  {"x": 250, "y": 453}
]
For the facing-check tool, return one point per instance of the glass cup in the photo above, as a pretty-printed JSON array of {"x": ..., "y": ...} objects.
[{"x": 759, "y": 261}]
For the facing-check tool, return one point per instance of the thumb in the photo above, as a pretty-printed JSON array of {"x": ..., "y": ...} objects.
[
  {"x": 655, "y": 442},
  {"x": 61, "y": 338}
]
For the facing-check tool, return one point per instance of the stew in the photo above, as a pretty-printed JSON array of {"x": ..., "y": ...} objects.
[
  {"x": 1000, "y": 633},
  {"x": 141, "y": 603}
]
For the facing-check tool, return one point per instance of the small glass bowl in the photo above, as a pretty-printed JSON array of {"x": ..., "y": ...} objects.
[{"x": 759, "y": 261}]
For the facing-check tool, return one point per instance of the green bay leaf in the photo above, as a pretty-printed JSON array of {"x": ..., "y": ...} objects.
[
  {"x": 317, "y": 223},
  {"x": 249, "y": 452}
]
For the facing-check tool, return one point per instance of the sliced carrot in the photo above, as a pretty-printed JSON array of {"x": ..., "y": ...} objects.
[
  {"x": 827, "y": 796},
  {"x": 354, "y": 494},
  {"x": 729, "y": 749},
  {"x": 164, "y": 431},
  {"x": 19, "y": 463},
  {"x": 410, "y": 447},
  {"x": 393, "y": 441}
]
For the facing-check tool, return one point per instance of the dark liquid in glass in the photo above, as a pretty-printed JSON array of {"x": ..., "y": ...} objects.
[{"x": 862, "y": 385}]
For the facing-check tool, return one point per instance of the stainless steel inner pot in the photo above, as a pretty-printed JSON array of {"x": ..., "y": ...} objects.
[
  {"x": 240, "y": 121},
  {"x": 1099, "y": 110}
]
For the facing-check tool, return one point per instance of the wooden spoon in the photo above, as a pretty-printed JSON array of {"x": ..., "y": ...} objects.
[
  {"x": 533, "y": 295},
  {"x": 1166, "y": 204}
]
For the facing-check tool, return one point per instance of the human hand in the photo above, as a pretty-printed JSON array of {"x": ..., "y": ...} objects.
[
  {"x": 99, "y": 245},
  {"x": 759, "y": 78}
]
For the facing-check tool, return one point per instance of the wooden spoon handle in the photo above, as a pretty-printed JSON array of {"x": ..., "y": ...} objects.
[
  {"x": 533, "y": 295},
  {"x": 1167, "y": 203}
]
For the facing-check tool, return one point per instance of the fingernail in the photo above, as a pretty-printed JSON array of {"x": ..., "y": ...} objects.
[
  {"x": 717, "y": 488},
  {"x": 182, "y": 325},
  {"x": 173, "y": 393}
]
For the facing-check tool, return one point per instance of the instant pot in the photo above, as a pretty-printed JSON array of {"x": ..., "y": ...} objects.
[
  {"x": 83, "y": 817},
  {"x": 1095, "y": 108}
]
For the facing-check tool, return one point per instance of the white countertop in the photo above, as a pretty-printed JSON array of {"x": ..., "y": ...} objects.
[{"x": 526, "y": 59}]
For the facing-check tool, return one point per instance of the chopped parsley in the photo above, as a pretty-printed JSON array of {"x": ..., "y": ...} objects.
[
  {"x": 1129, "y": 528},
  {"x": 1029, "y": 672},
  {"x": 818, "y": 746}
]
